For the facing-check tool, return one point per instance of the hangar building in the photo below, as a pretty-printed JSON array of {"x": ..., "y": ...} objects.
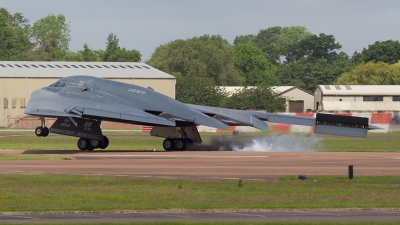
[
  {"x": 299, "y": 100},
  {"x": 357, "y": 98},
  {"x": 18, "y": 79}
]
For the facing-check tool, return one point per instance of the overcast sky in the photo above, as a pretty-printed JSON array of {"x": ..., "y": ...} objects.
[{"x": 144, "y": 25}]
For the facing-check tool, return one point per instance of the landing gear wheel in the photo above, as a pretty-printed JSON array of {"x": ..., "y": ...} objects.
[
  {"x": 95, "y": 143},
  {"x": 105, "y": 142},
  {"x": 39, "y": 131},
  {"x": 45, "y": 132},
  {"x": 180, "y": 144},
  {"x": 168, "y": 144},
  {"x": 83, "y": 144}
]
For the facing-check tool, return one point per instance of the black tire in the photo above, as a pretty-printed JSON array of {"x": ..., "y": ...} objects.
[
  {"x": 96, "y": 143},
  {"x": 168, "y": 144},
  {"x": 39, "y": 131},
  {"x": 105, "y": 142},
  {"x": 83, "y": 144},
  {"x": 45, "y": 132},
  {"x": 180, "y": 144}
]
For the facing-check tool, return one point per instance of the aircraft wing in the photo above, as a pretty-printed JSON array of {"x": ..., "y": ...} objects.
[
  {"x": 252, "y": 118},
  {"x": 324, "y": 123}
]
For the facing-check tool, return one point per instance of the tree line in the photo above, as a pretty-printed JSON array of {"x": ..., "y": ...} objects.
[{"x": 275, "y": 56}]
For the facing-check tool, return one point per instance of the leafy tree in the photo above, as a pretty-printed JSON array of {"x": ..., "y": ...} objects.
[
  {"x": 50, "y": 36},
  {"x": 73, "y": 56},
  {"x": 244, "y": 39},
  {"x": 385, "y": 51},
  {"x": 205, "y": 56},
  {"x": 288, "y": 37},
  {"x": 308, "y": 74},
  {"x": 111, "y": 48},
  {"x": 14, "y": 36},
  {"x": 123, "y": 55},
  {"x": 314, "y": 48},
  {"x": 114, "y": 53},
  {"x": 370, "y": 73},
  {"x": 88, "y": 55},
  {"x": 199, "y": 90},
  {"x": 264, "y": 40},
  {"x": 253, "y": 66},
  {"x": 85, "y": 55},
  {"x": 259, "y": 98}
]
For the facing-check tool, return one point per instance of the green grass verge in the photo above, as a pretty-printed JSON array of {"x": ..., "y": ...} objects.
[
  {"x": 361, "y": 145},
  {"x": 98, "y": 193},
  {"x": 33, "y": 157}
]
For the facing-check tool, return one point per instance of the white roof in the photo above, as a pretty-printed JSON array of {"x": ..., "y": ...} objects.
[
  {"x": 277, "y": 89},
  {"x": 360, "y": 106},
  {"x": 34, "y": 69},
  {"x": 360, "y": 89}
]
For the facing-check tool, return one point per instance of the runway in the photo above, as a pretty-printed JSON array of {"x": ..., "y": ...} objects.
[
  {"x": 206, "y": 165},
  {"x": 209, "y": 165},
  {"x": 223, "y": 216}
]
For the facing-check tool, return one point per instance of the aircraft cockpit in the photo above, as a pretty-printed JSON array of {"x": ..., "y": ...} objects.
[
  {"x": 58, "y": 84},
  {"x": 74, "y": 83},
  {"x": 61, "y": 83}
]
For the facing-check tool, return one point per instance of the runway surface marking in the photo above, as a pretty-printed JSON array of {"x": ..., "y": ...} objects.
[
  {"x": 173, "y": 156},
  {"x": 245, "y": 214}
]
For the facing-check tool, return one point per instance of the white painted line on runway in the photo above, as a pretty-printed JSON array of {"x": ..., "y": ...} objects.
[
  {"x": 317, "y": 213},
  {"x": 101, "y": 217},
  {"x": 244, "y": 214},
  {"x": 26, "y": 217},
  {"x": 172, "y": 215},
  {"x": 170, "y": 156}
]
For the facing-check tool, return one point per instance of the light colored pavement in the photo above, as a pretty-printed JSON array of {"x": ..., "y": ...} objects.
[
  {"x": 227, "y": 216},
  {"x": 243, "y": 165}
]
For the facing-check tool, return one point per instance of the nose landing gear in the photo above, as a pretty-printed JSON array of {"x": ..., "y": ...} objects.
[{"x": 42, "y": 130}]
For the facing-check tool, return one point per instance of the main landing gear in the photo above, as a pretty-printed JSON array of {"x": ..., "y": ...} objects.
[
  {"x": 77, "y": 127},
  {"x": 90, "y": 144},
  {"x": 42, "y": 130},
  {"x": 178, "y": 144}
]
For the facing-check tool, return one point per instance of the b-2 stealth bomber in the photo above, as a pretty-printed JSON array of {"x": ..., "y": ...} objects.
[{"x": 81, "y": 103}]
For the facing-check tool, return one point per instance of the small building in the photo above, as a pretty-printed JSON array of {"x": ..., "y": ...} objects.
[
  {"x": 357, "y": 98},
  {"x": 18, "y": 79},
  {"x": 298, "y": 100}
]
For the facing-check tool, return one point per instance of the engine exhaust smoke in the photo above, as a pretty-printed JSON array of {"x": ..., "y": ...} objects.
[{"x": 265, "y": 143}]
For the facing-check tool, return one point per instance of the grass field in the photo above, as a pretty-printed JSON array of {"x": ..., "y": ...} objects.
[{"x": 99, "y": 193}]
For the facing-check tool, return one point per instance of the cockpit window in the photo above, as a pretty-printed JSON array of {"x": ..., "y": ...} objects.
[
  {"x": 60, "y": 84},
  {"x": 51, "y": 85}
]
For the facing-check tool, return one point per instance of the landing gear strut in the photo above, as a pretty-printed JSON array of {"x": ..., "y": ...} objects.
[{"x": 42, "y": 130}]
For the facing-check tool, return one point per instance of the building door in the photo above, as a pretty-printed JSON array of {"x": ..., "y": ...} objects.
[{"x": 296, "y": 106}]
